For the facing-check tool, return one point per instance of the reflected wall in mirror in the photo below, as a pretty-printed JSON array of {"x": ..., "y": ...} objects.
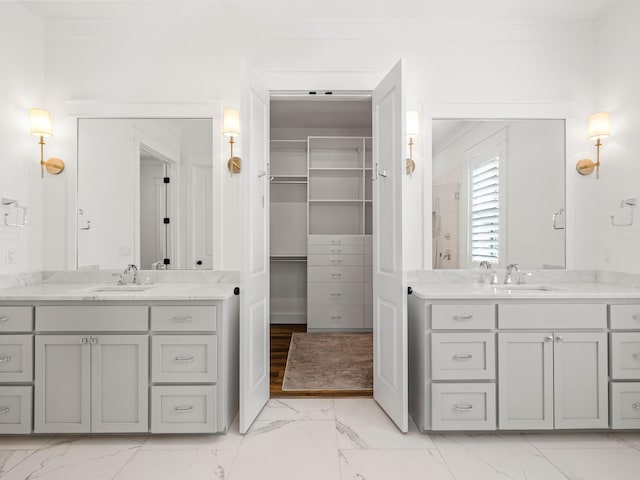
[
  {"x": 498, "y": 193},
  {"x": 145, "y": 193}
]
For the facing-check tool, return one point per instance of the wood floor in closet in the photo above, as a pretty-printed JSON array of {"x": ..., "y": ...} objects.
[{"x": 280, "y": 340}]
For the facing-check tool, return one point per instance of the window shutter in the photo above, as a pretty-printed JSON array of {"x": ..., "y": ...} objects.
[{"x": 485, "y": 211}]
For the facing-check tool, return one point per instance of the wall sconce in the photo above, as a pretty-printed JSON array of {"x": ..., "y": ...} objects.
[
  {"x": 231, "y": 129},
  {"x": 413, "y": 130},
  {"x": 40, "y": 126},
  {"x": 598, "y": 129}
]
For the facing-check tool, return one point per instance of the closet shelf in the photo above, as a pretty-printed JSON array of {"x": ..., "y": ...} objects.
[
  {"x": 335, "y": 169},
  {"x": 288, "y": 258},
  {"x": 334, "y": 200}
]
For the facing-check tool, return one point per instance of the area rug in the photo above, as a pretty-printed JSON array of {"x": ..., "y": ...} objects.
[{"x": 329, "y": 361}]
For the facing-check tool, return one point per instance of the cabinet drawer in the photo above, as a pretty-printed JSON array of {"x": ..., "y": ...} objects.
[
  {"x": 108, "y": 318},
  {"x": 335, "y": 250},
  {"x": 16, "y": 319},
  {"x": 16, "y": 358},
  {"x": 463, "y": 406},
  {"x": 625, "y": 405},
  {"x": 335, "y": 274},
  {"x": 336, "y": 240},
  {"x": 552, "y": 316},
  {"x": 184, "y": 358},
  {"x": 336, "y": 260},
  {"x": 335, "y": 293},
  {"x": 15, "y": 409},
  {"x": 468, "y": 356},
  {"x": 184, "y": 409},
  {"x": 184, "y": 318},
  {"x": 625, "y": 317},
  {"x": 336, "y": 316},
  {"x": 625, "y": 356},
  {"x": 463, "y": 317}
]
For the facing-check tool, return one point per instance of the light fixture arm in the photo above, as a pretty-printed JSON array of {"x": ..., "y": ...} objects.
[{"x": 41, "y": 142}]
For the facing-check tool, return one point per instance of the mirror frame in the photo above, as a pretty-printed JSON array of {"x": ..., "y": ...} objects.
[
  {"x": 501, "y": 111},
  {"x": 149, "y": 110}
]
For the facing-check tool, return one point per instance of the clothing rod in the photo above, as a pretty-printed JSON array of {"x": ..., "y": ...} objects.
[{"x": 302, "y": 182}]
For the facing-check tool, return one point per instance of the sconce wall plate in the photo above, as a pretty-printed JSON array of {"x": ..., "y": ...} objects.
[
  {"x": 411, "y": 166},
  {"x": 585, "y": 166},
  {"x": 233, "y": 164},
  {"x": 54, "y": 165}
]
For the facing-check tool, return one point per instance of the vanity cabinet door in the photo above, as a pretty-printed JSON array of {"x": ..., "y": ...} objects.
[
  {"x": 119, "y": 383},
  {"x": 62, "y": 392},
  {"x": 525, "y": 381}
]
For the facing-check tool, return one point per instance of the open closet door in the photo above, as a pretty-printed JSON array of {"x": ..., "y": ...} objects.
[
  {"x": 254, "y": 296},
  {"x": 389, "y": 285}
]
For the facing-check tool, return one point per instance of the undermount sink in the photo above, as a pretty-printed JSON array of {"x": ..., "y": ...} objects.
[
  {"x": 121, "y": 288},
  {"x": 523, "y": 287}
]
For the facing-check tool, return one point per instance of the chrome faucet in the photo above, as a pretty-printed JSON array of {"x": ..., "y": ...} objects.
[
  {"x": 493, "y": 275},
  {"x": 123, "y": 280},
  {"x": 510, "y": 268}
]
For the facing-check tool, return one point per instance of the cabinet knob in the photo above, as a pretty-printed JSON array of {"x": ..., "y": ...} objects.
[
  {"x": 4, "y": 318},
  {"x": 4, "y": 410},
  {"x": 636, "y": 406},
  {"x": 83, "y": 340},
  {"x": 94, "y": 340},
  {"x": 5, "y": 359},
  {"x": 548, "y": 338},
  {"x": 559, "y": 338}
]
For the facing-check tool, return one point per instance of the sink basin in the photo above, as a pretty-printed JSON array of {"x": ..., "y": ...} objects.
[
  {"x": 121, "y": 288},
  {"x": 523, "y": 287}
]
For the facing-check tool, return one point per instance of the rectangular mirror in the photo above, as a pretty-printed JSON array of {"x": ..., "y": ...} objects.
[
  {"x": 498, "y": 193},
  {"x": 145, "y": 193}
]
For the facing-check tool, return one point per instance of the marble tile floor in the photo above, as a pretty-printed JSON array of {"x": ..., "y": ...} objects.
[{"x": 325, "y": 439}]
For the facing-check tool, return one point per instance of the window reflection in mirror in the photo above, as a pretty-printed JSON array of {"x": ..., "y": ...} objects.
[
  {"x": 145, "y": 193},
  {"x": 498, "y": 193}
]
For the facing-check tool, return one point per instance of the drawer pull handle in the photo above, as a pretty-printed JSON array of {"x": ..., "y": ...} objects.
[
  {"x": 4, "y": 410},
  {"x": 336, "y": 317},
  {"x": 337, "y": 260},
  {"x": 94, "y": 340},
  {"x": 336, "y": 275},
  {"x": 636, "y": 406},
  {"x": 463, "y": 407},
  {"x": 335, "y": 295},
  {"x": 462, "y": 317},
  {"x": 184, "y": 358},
  {"x": 635, "y": 356},
  {"x": 462, "y": 356},
  {"x": 182, "y": 319},
  {"x": 4, "y": 318},
  {"x": 636, "y": 316},
  {"x": 83, "y": 340},
  {"x": 184, "y": 408},
  {"x": 336, "y": 250},
  {"x": 5, "y": 359},
  {"x": 336, "y": 242}
]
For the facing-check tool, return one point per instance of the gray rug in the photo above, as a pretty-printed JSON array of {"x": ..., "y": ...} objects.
[{"x": 329, "y": 361}]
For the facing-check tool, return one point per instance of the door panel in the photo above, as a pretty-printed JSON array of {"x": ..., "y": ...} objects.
[
  {"x": 389, "y": 284},
  {"x": 254, "y": 296}
]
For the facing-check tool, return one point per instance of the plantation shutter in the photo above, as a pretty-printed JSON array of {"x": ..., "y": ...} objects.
[{"x": 485, "y": 211}]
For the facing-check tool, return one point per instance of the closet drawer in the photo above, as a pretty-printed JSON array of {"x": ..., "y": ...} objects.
[
  {"x": 625, "y": 405},
  {"x": 335, "y": 250},
  {"x": 552, "y": 316},
  {"x": 463, "y": 317},
  {"x": 625, "y": 317},
  {"x": 625, "y": 356},
  {"x": 336, "y": 316},
  {"x": 183, "y": 318},
  {"x": 111, "y": 318},
  {"x": 463, "y": 406},
  {"x": 463, "y": 356},
  {"x": 16, "y": 358},
  {"x": 336, "y": 240},
  {"x": 335, "y": 293},
  {"x": 183, "y": 409},
  {"x": 16, "y": 319},
  {"x": 15, "y": 409},
  {"x": 335, "y": 260},
  {"x": 184, "y": 358},
  {"x": 335, "y": 274}
]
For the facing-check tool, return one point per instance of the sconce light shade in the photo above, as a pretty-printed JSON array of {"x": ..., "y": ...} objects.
[
  {"x": 231, "y": 123},
  {"x": 413, "y": 124},
  {"x": 599, "y": 126},
  {"x": 40, "y": 123}
]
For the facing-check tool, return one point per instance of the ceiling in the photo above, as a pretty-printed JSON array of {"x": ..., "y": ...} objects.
[{"x": 301, "y": 113}]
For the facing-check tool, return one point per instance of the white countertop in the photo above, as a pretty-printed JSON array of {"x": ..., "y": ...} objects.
[
  {"x": 87, "y": 292},
  {"x": 556, "y": 291}
]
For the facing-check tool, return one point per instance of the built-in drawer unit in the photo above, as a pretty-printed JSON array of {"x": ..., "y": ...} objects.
[
  {"x": 335, "y": 274},
  {"x": 463, "y": 406},
  {"x": 16, "y": 319},
  {"x": 625, "y": 355},
  {"x": 336, "y": 293},
  {"x": 463, "y": 356},
  {"x": 335, "y": 249},
  {"x": 183, "y": 318},
  {"x": 463, "y": 317},
  {"x": 16, "y": 407},
  {"x": 16, "y": 358},
  {"x": 335, "y": 260},
  {"x": 183, "y": 409},
  {"x": 336, "y": 240},
  {"x": 552, "y": 316},
  {"x": 336, "y": 316},
  {"x": 184, "y": 358},
  {"x": 92, "y": 318},
  {"x": 625, "y": 317},
  {"x": 625, "y": 405}
]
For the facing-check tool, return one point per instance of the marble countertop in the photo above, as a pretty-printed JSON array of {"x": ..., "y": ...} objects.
[
  {"x": 111, "y": 292},
  {"x": 546, "y": 291}
]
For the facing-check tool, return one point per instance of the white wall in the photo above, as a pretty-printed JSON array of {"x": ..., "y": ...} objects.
[{"x": 22, "y": 87}]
